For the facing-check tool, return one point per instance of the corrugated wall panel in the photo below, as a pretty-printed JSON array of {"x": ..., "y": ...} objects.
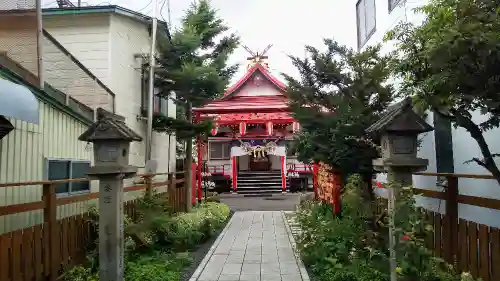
[{"x": 22, "y": 158}]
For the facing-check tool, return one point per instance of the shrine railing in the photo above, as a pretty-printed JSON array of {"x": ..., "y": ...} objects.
[
  {"x": 223, "y": 169},
  {"x": 299, "y": 168}
]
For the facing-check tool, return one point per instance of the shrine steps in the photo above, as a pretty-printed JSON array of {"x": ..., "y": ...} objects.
[{"x": 259, "y": 183}]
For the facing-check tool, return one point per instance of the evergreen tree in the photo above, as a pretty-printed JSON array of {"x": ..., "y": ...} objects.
[
  {"x": 339, "y": 94},
  {"x": 194, "y": 70}
]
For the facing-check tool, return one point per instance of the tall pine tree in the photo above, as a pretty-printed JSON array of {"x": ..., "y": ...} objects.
[
  {"x": 194, "y": 70},
  {"x": 339, "y": 94}
]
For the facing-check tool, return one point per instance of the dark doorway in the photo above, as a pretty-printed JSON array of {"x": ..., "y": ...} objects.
[{"x": 260, "y": 164}]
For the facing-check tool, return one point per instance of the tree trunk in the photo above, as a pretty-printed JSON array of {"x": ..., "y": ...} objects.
[
  {"x": 189, "y": 161},
  {"x": 475, "y": 132}
]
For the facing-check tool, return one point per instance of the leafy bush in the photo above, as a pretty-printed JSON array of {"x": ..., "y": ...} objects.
[
  {"x": 355, "y": 247},
  {"x": 157, "y": 266},
  {"x": 156, "y": 241},
  {"x": 188, "y": 229},
  {"x": 341, "y": 249}
]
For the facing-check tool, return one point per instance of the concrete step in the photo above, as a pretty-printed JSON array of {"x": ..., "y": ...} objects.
[
  {"x": 259, "y": 175},
  {"x": 259, "y": 191},
  {"x": 260, "y": 172},
  {"x": 258, "y": 183},
  {"x": 274, "y": 186}
]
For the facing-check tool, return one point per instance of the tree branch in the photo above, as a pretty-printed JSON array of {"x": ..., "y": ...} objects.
[{"x": 475, "y": 132}]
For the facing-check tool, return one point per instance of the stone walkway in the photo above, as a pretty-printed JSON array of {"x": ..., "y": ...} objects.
[{"x": 254, "y": 246}]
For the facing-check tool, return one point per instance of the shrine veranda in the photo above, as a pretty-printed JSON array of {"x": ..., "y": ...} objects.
[{"x": 252, "y": 131}]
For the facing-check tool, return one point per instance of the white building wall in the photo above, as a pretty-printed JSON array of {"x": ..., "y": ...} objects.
[
  {"x": 106, "y": 45},
  {"x": 464, "y": 147}
]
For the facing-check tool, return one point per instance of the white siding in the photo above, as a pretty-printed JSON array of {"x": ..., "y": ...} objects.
[
  {"x": 464, "y": 147},
  {"x": 129, "y": 38},
  {"x": 86, "y": 37},
  {"x": 106, "y": 45}
]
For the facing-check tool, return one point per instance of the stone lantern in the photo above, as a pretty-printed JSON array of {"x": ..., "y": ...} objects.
[
  {"x": 111, "y": 139},
  {"x": 398, "y": 131}
]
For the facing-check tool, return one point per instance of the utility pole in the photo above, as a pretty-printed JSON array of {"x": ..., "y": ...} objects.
[
  {"x": 39, "y": 43},
  {"x": 149, "y": 129}
]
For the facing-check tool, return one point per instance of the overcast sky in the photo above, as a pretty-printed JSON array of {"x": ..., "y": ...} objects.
[{"x": 288, "y": 25}]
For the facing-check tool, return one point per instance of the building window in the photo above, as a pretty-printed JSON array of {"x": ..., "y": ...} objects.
[
  {"x": 219, "y": 150},
  {"x": 365, "y": 15},
  {"x": 61, "y": 169},
  {"x": 160, "y": 105},
  {"x": 393, "y": 4}
]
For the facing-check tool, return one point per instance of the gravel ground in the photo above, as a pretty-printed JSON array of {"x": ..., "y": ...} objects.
[{"x": 198, "y": 255}]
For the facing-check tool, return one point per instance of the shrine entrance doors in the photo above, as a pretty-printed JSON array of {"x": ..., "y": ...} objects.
[{"x": 260, "y": 163}]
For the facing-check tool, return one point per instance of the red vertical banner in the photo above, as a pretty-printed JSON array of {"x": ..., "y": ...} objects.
[
  {"x": 235, "y": 173},
  {"x": 328, "y": 186},
  {"x": 283, "y": 173},
  {"x": 193, "y": 191}
]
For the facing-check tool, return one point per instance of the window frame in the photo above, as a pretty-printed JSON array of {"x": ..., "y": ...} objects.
[
  {"x": 70, "y": 184},
  {"x": 219, "y": 142},
  {"x": 392, "y": 4},
  {"x": 369, "y": 34},
  {"x": 160, "y": 105}
]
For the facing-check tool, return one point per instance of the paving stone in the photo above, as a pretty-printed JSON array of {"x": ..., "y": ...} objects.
[
  {"x": 270, "y": 259},
  {"x": 270, "y": 269},
  {"x": 250, "y": 277},
  {"x": 250, "y": 268},
  {"x": 209, "y": 276},
  {"x": 271, "y": 278},
  {"x": 252, "y": 259},
  {"x": 254, "y": 246},
  {"x": 289, "y": 268},
  {"x": 231, "y": 268},
  {"x": 294, "y": 277},
  {"x": 235, "y": 259},
  {"x": 228, "y": 277}
]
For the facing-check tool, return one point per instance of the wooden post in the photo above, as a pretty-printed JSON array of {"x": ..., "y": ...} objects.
[
  {"x": 50, "y": 221},
  {"x": 149, "y": 185},
  {"x": 451, "y": 219}
]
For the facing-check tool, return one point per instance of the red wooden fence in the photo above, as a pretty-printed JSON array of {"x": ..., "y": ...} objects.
[{"x": 43, "y": 251}]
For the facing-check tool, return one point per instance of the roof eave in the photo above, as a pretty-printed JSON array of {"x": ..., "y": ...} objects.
[{"x": 103, "y": 10}]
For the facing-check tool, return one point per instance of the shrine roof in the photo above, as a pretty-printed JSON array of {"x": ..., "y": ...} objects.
[
  {"x": 256, "y": 67},
  {"x": 231, "y": 102},
  {"x": 250, "y": 116}
]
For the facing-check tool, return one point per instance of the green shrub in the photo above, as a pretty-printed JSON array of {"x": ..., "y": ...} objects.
[
  {"x": 340, "y": 249},
  {"x": 355, "y": 248},
  {"x": 154, "y": 238},
  {"x": 157, "y": 266},
  {"x": 187, "y": 230}
]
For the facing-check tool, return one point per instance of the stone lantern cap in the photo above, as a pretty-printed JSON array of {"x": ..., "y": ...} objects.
[
  {"x": 109, "y": 126},
  {"x": 401, "y": 119}
]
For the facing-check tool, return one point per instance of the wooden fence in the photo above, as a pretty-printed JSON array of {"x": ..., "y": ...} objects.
[
  {"x": 469, "y": 246},
  {"x": 43, "y": 251}
]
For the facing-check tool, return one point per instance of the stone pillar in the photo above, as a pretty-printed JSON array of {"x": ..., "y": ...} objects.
[
  {"x": 398, "y": 131},
  {"x": 111, "y": 139}
]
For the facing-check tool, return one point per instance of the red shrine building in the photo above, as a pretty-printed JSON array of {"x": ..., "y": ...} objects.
[{"x": 253, "y": 127}]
